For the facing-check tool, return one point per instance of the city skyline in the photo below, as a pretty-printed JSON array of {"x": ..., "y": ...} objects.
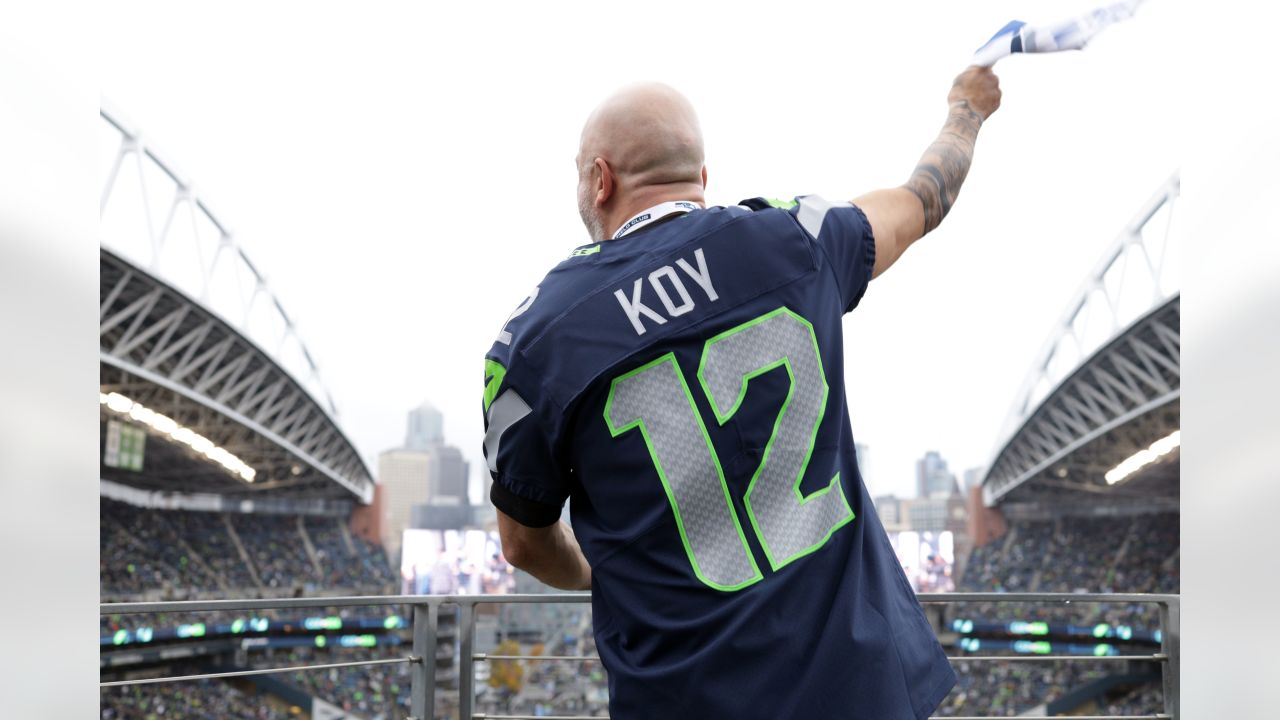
[{"x": 419, "y": 478}]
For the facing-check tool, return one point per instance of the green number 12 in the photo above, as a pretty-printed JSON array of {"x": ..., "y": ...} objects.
[{"x": 656, "y": 400}]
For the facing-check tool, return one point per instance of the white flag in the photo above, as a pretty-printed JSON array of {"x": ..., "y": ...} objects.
[{"x": 1073, "y": 34}]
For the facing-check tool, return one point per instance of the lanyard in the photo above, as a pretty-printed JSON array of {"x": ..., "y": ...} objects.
[{"x": 657, "y": 212}]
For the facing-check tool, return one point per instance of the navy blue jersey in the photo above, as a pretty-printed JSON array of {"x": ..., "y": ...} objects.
[{"x": 683, "y": 388}]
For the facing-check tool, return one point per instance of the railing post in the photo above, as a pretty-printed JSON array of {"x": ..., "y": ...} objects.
[
  {"x": 466, "y": 667},
  {"x": 423, "y": 688},
  {"x": 1170, "y": 645}
]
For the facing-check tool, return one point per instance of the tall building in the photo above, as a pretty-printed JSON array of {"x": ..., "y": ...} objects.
[
  {"x": 403, "y": 476},
  {"x": 426, "y": 428},
  {"x": 933, "y": 479},
  {"x": 862, "y": 452},
  {"x": 425, "y": 473},
  {"x": 446, "y": 476}
]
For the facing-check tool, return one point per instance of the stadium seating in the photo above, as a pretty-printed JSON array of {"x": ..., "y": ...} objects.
[
  {"x": 192, "y": 700},
  {"x": 339, "y": 567},
  {"x": 1101, "y": 555},
  {"x": 1004, "y": 689},
  {"x": 378, "y": 690},
  {"x": 1142, "y": 701},
  {"x": 146, "y": 550},
  {"x": 194, "y": 554},
  {"x": 139, "y": 551},
  {"x": 190, "y": 554},
  {"x": 1137, "y": 554}
]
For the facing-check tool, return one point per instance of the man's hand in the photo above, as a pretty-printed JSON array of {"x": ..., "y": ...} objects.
[
  {"x": 979, "y": 88},
  {"x": 550, "y": 554},
  {"x": 902, "y": 215}
]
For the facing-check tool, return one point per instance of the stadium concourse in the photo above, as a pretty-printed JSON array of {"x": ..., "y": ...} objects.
[{"x": 226, "y": 473}]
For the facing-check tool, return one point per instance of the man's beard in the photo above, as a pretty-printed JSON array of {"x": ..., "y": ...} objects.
[{"x": 595, "y": 226}]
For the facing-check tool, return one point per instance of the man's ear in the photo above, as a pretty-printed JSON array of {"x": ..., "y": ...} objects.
[
  {"x": 605, "y": 183},
  {"x": 704, "y": 177}
]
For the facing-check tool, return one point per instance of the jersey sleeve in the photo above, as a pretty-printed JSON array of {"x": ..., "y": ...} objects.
[
  {"x": 530, "y": 483},
  {"x": 843, "y": 235}
]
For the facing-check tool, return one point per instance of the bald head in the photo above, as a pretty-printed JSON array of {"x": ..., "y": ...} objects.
[
  {"x": 648, "y": 134},
  {"x": 642, "y": 142}
]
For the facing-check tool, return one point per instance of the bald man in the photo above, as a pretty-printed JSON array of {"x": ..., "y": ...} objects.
[{"x": 680, "y": 381}]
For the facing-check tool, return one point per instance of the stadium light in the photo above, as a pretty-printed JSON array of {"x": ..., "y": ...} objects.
[
  {"x": 1142, "y": 458},
  {"x": 166, "y": 425},
  {"x": 118, "y": 402}
]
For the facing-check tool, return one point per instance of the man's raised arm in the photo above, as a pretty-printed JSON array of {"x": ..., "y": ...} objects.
[{"x": 902, "y": 215}]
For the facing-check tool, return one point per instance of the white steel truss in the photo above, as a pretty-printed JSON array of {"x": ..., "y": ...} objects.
[
  {"x": 153, "y": 217},
  {"x": 1111, "y": 359},
  {"x": 164, "y": 325}
]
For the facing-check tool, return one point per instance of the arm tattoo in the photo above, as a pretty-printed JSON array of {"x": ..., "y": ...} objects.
[{"x": 942, "y": 169}]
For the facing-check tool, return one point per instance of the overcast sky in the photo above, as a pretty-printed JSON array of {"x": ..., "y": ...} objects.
[{"x": 404, "y": 175}]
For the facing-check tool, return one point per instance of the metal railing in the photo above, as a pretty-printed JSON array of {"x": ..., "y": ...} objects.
[{"x": 426, "y": 624}]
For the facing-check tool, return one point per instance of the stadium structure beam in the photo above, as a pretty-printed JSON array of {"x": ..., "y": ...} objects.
[
  {"x": 183, "y": 303},
  {"x": 220, "y": 370},
  {"x": 1062, "y": 409},
  {"x": 1057, "y": 428}
]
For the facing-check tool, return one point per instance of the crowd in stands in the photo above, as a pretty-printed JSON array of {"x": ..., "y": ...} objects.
[
  {"x": 144, "y": 550},
  {"x": 374, "y": 692},
  {"x": 207, "y": 534},
  {"x": 1147, "y": 699},
  {"x": 1005, "y": 689},
  {"x": 1104, "y": 554},
  {"x": 138, "y": 552},
  {"x": 190, "y": 700},
  {"x": 343, "y": 565},
  {"x": 276, "y": 549},
  {"x": 195, "y": 552},
  {"x": 1009, "y": 563},
  {"x": 1137, "y": 554}
]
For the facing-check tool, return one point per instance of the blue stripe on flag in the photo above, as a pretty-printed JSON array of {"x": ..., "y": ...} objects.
[{"x": 1013, "y": 27}]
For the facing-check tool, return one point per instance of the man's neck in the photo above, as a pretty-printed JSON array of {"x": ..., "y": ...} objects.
[{"x": 644, "y": 198}]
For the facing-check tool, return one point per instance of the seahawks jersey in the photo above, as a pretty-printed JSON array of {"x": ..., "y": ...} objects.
[{"x": 682, "y": 387}]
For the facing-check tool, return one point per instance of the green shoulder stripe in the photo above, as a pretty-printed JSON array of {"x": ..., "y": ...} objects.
[{"x": 494, "y": 374}]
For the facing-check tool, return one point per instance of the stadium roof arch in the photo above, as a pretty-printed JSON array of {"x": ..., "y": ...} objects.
[
  {"x": 194, "y": 342},
  {"x": 1101, "y": 403}
]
